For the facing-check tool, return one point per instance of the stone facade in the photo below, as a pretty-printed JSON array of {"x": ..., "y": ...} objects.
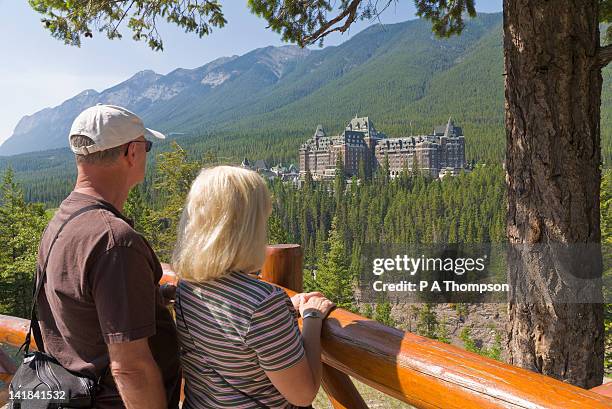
[{"x": 439, "y": 154}]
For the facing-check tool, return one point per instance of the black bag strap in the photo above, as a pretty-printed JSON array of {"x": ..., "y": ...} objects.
[{"x": 39, "y": 278}]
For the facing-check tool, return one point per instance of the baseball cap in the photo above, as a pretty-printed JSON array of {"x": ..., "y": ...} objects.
[{"x": 108, "y": 126}]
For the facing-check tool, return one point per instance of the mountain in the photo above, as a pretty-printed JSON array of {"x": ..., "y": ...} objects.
[
  {"x": 272, "y": 81},
  {"x": 48, "y": 129},
  {"x": 267, "y": 102}
]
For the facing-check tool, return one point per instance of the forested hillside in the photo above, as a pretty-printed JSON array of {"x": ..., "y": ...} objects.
[
  {"x": 400, "y": 75},
  {"x": 333, "y": 222},
  {"x": 408, "y": 209}
]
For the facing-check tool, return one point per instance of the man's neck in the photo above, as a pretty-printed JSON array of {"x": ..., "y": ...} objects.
[
  {"x": 110, "y": 183},
  {"x": 111, "y": 197},
  {"x": 112, "y": 191}
]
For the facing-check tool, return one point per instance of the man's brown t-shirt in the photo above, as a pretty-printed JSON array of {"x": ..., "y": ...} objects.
[{"x": 102, "y": 288}]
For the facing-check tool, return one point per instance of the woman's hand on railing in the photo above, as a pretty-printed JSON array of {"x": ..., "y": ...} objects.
[
  {"x": 318, "y": 304},
  {"x": 301, "y": 298}
]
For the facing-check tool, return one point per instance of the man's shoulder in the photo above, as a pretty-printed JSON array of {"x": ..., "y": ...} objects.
[
  {"x": 122, "y": 233},
  {"x": 105, "y": 221},
  {"x": 99, "y": 229}
]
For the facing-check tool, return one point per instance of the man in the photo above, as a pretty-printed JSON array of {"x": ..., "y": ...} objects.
[{"x": 100, "y": 311}]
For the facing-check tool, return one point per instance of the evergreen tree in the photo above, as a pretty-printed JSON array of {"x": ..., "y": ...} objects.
[
  {"x": 361, "y": 172},
  {"x": 382, "y": 312},
  {"x": 175, "y": 173},
  {"x": 137, "y": 209},
  {"x": 442, "y": 332},
  {"x": 334, "y": 277},
  {"x": 339, "y": 181},
  {"x": 385, "y": 176},
  {"x": 276, "y": 233},
  {"x": 428, "y": 322},
  {"x": 21, "y": 226},
  {"x": 367, "y": 311}
]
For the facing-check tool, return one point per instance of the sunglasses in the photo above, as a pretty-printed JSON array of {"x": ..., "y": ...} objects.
[{"x": 148, "y": 146}]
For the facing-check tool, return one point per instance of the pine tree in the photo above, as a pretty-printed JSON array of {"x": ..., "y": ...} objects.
[
  {"x": 21, "y": 226},
  {"x": 361, "y": 173},
  {"x": 382, "y": 312},
  {"x": 175, "y": 173},
  {"x": 137, "y": 209},
  {"x": 276, "y": 233},
  {"x": 442, "y": 332},
  {"x": 367, "y": 311},
  {"x": 339, "y": 181},
  {"x": 334, "y": 278},
  {"x": 428, "y": 322}
]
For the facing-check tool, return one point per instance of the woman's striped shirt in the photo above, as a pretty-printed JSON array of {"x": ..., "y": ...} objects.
[{"x": 231, "y": 330}]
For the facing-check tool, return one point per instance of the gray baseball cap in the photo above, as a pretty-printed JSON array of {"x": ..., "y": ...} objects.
[{"x": 108, "y": 126}]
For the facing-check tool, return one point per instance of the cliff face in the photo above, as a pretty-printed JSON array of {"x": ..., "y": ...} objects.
[
  {"x": 380, "y": 70},
  {"x": 146, "y": 90}
]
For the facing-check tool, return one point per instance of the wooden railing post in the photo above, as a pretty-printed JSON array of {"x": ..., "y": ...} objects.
[
  {"x": 283, "y": 266},
  {"x": 341, "y": 390}
]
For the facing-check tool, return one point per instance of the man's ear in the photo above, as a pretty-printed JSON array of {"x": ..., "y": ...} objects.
[{"x": 131, "y": 154}]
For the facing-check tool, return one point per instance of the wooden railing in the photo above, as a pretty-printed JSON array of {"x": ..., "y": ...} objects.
[{"x": 414, "y": 369}]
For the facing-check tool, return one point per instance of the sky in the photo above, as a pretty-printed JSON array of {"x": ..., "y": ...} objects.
[{"x": 38, "y": 71}]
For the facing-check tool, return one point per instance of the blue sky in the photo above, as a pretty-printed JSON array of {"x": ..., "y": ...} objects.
[{"x": 38, "y": 71}]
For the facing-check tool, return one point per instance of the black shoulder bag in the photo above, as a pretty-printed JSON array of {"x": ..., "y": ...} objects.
[{"x": 41, "y": 382}]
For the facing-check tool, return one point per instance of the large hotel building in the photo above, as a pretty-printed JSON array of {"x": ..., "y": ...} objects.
[{"x": 439, "y": 154}]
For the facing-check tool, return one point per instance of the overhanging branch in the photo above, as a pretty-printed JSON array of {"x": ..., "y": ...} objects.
[
  {"x": 604, "y": 55},
  {"x": 350, "y": 13}
]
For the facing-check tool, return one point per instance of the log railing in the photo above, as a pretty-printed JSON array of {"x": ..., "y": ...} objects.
[{"x": 417, "y": 370}]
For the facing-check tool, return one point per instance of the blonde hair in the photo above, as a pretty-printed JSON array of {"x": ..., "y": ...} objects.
[{"x": 223, "y": 227}]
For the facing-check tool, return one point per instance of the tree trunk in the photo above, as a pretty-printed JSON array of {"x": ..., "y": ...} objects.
[{"x": 553, "y": 94}]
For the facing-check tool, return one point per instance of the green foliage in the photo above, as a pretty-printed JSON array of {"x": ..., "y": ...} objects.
[
  {"x": 159, "y": 222},
  {"x": 442, "y": 333},
  {"x": 427, "y": 325},
  {"x": 469, "y": 344},
  {"x": 382, "y": 313},
  {"x": 334, "y": 277},
  {"x": 175, "y": 173},
  {"x": 276, "y": 232},
  {"x": 69, "y": 20},
  {"x": 605, "y": 16},
  {"x": 461, "y": 309},
  {"x": 446, "y": 16},
  {"x": 21, "y": 226},
  {"x": 302, "y": 22},
  {"x": 468, "y": 208},
  {"x": 306, "y": 22},
  {"x": 136, "y": 209},
  {"x": 368, "y": 311},
  {"x": 494, "y": 351},
  {"x": 399, "y": 75},
  {"x": 310, "y": 284},
  {"x": 339, "y": 180}
]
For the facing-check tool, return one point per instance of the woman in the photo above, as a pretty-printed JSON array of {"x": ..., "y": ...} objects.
[{"x": 241, "y": 345}]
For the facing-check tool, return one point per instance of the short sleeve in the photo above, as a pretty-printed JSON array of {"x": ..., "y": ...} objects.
[
  {"x": 124, "y": 293},
  {"x": 274, "y": 334}
]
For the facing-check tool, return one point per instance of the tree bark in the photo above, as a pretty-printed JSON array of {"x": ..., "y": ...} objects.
[{"x": 553, "y": 95}]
